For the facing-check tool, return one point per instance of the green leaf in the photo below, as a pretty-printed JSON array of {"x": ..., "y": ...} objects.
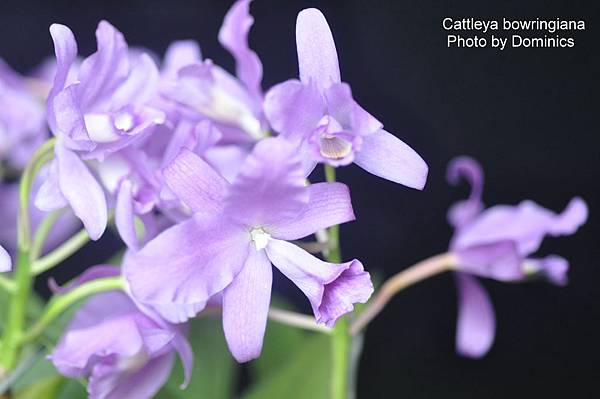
[
  {"x": 71, "y": 389},
  {"x": 215, "y": 372},
  {"x": 39, "y": 370},
  {"x": 47, "y": 387},
  {"x": 304, "y": 374},
  {"x": 279, "y": 338},
  {"x": 43, "y": 381}
]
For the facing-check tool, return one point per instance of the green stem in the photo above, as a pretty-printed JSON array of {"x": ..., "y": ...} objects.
[
  {"x": 60, "y": 303},
  {"x": 341, "y": 340},
  {"x": 61, "y": 253},
  {"x": 340, "y": 352},
  {"x": 23, "y": 279},
  {"x": 334, "y": 255},
  {"x": 298, "y": 320},
  {"x": 7, "y": 284},
  {"x": 329, "y": 173},
  {"x": 16, "y": 312},
  {"x": 43, "y": 155},
  {"x": 37, "y": 246},
  {"x": 418, "y": 272}
]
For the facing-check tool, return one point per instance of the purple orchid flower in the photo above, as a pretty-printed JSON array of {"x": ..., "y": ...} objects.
[
  {"x": 22, "y": 119},
  {"x": 236, "y": 232},
  {"x": 22, "y": 130},
  {"x": 98, "y": 115},
  {"x": 498, "y": 243},
  {"x": 319, "y": 114},
  {"x": 206, "y": 90},
  {"x": 125, "y": 352}
]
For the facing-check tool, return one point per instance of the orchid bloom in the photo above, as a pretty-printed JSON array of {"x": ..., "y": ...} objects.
[
  {"x": 22, "y": 129},
  {"x": 498, "y": 243},
  {"x": 101, "y": 113},
  {"x": 236, "y": 232},
  {"x": 22, "y": 119},
  {"x": 319, "y": 114},
  {"x": 205, "y": 90},
  {"x": 125, "y": 351}
]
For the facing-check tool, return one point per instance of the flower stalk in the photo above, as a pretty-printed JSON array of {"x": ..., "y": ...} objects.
[
  {"x": 297, "y": 320},
  {"x": 412, "y": 275},
  {"x": 341, "y": 339},
  {"x": 60, "y": 303},
  {"x": 44, "y": 228},
  {"x": 61, "y": 253},
  {"x": 23, "y": 279},
  {"x": 43, "y": 155}
]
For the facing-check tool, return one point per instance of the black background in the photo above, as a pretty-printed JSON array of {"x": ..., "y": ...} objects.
[{"x": 529, "y": 116}]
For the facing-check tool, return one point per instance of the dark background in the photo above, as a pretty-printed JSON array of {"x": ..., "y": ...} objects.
[{"x": 529, "y": 116}]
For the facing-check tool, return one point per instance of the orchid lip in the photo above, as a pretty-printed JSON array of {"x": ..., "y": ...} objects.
[
  {"x": 260, "y": 238},
  {"x": 334, "y": 147}
]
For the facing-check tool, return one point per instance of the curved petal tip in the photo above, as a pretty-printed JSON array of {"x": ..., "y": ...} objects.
[{"x": 574, "y": 216}]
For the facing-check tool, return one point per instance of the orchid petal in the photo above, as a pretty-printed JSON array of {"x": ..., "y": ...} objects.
[
  {"x": 125, "y": 217},
  {"x": 499, "y": 260},
  {"x": 180, "y": 54},
  {"x": 186, "y": 354},
  {"x": 234, "y": 37},
  {"x": 140, "y": 85},
  {"x": 69, "y": 119},
  {"x": 49, "y": 197},
  {"x": 318, "y": 280},
  {"x": 317, "y": 56},
  {"x": 386, "y": 156},
  {"x": 294, "y": 109},
  {"x": 328, "y": 204},
  {"x": 104, "y": 71},
  {"x": 468, "y": 169},
  {"x": 196, "y": 183},
  {"x": 463, "y": 212},
  {"x": 342, "y": 107},
  {"x": 98, "y": 330},
  {"x": 526, "y": 224},
  {"x": 227, "y": 159},
  {"x": 65, "y": 48},
  {"x": 84, "y": 193},
  {"x": 352, "y": 286},
  {"x": 246, "y": 306},
  {"x": 270, "y": 186},
  {"x": 106, "y": 382},
  {"x": 202, "y": 256},
  {"x": 196, "y": 137},
  {"x": 476, "y": 323}
]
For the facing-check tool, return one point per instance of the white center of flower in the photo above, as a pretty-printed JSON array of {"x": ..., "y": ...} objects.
[
  {"x": 135, "y": 362},
  {"x": 124, "y": 121},
  {"x": 100, "y": 128},
  {"x": 260, "y": 238}
]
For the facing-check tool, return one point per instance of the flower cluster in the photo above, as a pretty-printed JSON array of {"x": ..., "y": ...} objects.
[
  {"x": 215, "y": 171},
  {"x": 208, "y": 179}
]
